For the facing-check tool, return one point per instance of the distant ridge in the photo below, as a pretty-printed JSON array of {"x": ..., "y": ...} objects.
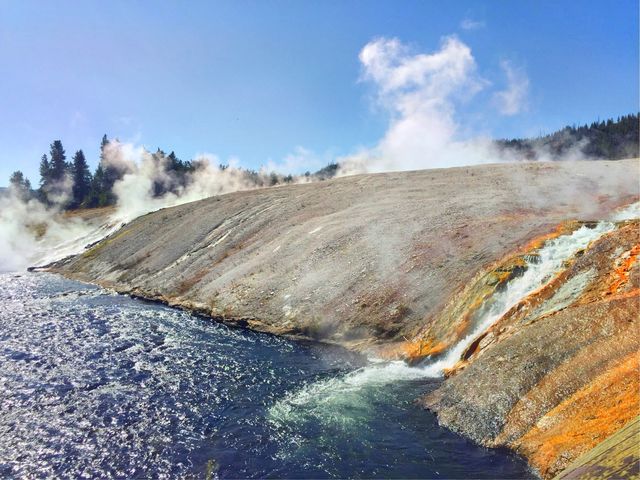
[
  {"x": 610, "y": 140},
  {"x": 601, "y": 140}
]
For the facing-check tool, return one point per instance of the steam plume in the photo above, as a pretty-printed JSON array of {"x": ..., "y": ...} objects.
[
  {"x": 32, "y": 233},
  {"x": 421, "y": 94},
  {"x": 142, "y": 171}
]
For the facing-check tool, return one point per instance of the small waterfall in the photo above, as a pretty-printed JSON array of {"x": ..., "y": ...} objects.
[
  {"x": 329, "y": 398},
  {"x": 540, "y": 270}
]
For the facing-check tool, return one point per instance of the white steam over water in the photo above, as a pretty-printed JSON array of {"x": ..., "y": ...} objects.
[
  {"x": 31, "y": 233},
  {"x": 338, "y": 400}
]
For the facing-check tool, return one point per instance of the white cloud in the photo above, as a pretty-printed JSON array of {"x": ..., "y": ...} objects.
[
  {"x": 470, "y": 24},
  {"x": 420, "y": 93},
  {"x": 514, "y": 98}
]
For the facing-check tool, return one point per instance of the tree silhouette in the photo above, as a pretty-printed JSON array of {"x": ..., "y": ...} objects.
[
  {"x": 58, "y": 165},
  {"x": 81, "y": 180}
]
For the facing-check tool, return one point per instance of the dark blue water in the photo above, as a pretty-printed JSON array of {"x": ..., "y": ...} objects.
[{"x": 94, "y": 384}]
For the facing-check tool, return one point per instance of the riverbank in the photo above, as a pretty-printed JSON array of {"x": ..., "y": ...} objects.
[{"x": 395, "y": 264}]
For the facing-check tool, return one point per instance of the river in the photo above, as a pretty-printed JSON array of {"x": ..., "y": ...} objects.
[{"x": 95, "y": 384}]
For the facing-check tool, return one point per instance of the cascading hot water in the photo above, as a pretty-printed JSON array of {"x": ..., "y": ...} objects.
[
  {"x": 540, "y": 270},
  {"x": 326, "y": 398}
]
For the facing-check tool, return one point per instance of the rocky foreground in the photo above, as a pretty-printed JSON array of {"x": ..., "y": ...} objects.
[{"x": 400, "y": 263}]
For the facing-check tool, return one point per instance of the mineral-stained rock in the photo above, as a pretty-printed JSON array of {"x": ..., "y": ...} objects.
[
  {"x": 615, "y": 457},
  {"x": 562, "y": 373}
]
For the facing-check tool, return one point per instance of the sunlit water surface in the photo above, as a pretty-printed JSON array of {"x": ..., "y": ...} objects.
[{"x": 100, "y": 385}]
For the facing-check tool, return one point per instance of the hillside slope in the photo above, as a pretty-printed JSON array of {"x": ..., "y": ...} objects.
[{"x": 356, "y": 260}]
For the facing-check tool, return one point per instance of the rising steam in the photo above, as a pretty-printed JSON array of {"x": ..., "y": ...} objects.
[
  {"x": 420, "y": 92},
  {"x": 32, "y": 233},
  {"x": 141, "y": 171}
]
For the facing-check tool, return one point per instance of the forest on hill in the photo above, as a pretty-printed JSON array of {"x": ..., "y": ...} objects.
[
  {"x": 610, "y": 139},
  {"x": 72, "y": 185}
]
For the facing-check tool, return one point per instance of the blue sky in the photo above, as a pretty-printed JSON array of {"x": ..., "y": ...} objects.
[{"x": 260, "y": 81}]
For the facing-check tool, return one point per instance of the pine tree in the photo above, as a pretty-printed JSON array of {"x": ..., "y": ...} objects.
[
  {"x": 100, "y": 193},
  {"x": 20, "y": 185},
  {"x": 54, "y": 172},
  {"x": 16, "y": 179},
  {"x": 110, "y": 175},
  {"x": 97, "y": 197},
  {"x": 81, "y": 179},
  {"x": 45, "y": 171},
  {"x": 58, "y": 165},
  {"x": 173, "y": 164}
]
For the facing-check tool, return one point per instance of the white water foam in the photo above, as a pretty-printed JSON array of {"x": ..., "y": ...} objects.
[
  {"x": 629, "y": 212},
  {"x": 341, "y": 403}
]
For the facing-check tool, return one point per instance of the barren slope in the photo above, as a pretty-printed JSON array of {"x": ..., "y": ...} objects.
[{"x": 357, "y": 260}]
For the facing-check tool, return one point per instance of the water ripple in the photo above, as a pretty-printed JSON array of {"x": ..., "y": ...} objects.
[{"x": 94, "y": 384}]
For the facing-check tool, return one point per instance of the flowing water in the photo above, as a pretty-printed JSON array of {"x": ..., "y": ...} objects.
[
  {"x": 97, "y": 384},
  {"x": 540, "y": 270}
]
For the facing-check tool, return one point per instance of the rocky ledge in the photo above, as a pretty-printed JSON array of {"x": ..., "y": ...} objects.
[{"x": 559, "y": 372}]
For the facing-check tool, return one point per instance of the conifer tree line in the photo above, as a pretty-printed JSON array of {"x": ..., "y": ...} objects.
[
  {"x": 610, "y": 139},
  {"x": 91, "y": 190},
  {"x": 71, "y": 184}
]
